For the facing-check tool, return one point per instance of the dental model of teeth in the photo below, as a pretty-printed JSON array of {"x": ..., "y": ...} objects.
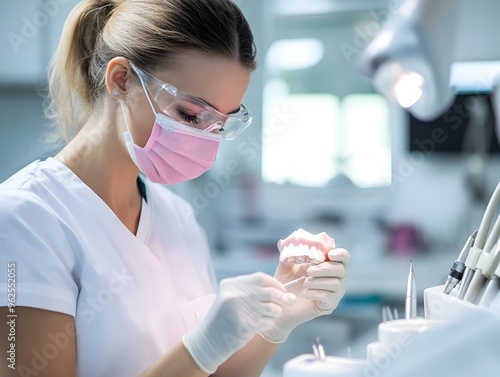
[{"x": 302, "y": 254}]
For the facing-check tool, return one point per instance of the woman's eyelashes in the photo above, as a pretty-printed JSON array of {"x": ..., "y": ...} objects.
[{"x": 191, "y": 119}]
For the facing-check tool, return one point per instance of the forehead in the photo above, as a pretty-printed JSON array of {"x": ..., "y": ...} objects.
[{"x": 220, "y": 81}]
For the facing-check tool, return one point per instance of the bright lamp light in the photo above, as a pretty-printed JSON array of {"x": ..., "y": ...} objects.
[{"x": 408, "y": 88}]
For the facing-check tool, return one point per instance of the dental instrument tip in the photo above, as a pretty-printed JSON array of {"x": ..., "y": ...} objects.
[
  {"x": 411, "y": 295},
  {"x": 293, "y": 282}
]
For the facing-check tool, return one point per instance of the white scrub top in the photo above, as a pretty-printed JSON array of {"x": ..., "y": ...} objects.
[{"x": 132, "y": 296}]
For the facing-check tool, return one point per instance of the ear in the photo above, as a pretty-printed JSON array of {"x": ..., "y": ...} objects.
[{"x": 117, "y": 74}]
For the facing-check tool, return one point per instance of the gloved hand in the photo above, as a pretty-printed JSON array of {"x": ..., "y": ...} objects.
[
  {"x": 244, "y": 305},
  {"x": 319, "y": 293}
]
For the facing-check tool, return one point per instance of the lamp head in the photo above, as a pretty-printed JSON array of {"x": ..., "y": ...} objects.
[{"x": 410, "y": 60}]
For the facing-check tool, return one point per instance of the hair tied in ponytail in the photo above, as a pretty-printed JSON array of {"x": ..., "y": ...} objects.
[{"x": 148, "y": 33}]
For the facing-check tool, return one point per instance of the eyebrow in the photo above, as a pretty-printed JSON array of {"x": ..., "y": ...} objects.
[
  {"x": 208, "y": 103},
  {"x": 198, "y": 98}
]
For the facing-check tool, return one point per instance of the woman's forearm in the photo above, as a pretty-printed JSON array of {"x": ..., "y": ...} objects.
[
  {"x": 250, "y": 360},
  {"x": 177, "y": 362}
]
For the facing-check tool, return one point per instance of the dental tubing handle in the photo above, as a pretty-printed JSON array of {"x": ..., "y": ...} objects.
[
  {"x": 479, "y": 243},
  {"x": 491, "y": 290},
  {"x": 487, "y": 265},
  {"x": 470, "y": 267},
  {"x": 475, "y": 286}
]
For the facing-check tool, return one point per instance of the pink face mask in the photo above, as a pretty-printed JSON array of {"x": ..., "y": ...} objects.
[{"x": 175, "y": 152}]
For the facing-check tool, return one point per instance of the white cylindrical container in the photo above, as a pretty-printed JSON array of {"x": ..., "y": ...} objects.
[
  {"x": 394, "y": 337},
  {"x": 397, "y": 331},
  {"x": 307, "y": 366}
]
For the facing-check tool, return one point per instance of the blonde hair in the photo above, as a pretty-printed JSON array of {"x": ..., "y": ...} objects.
[{"x": 147, "y": 33}]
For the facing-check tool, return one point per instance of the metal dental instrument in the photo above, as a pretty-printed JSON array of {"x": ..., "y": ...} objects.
[
  {"x": 321, "y": 350},
  {"x": 411, "y": 295},
  {"x": 389, "y": 314},
  {"x": 318, "y": 350},
  {"x": 480, "y": 241},
  {"x": 458, "y": 267},
  {"x": 293, "y": 282},
  {"x": 315, "y": 350}
]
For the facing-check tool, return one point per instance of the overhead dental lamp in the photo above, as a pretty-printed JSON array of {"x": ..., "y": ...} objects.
[{"x": 409, "y": 61}]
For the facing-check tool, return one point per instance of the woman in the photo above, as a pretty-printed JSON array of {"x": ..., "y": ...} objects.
[{"x": 112, "y": 272}]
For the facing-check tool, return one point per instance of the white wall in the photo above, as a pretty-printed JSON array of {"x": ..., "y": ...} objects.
[
  {"x": 29, "y": 30},
  {"x": 21, "y": 129},
  {"x": 433, "y": 193}
]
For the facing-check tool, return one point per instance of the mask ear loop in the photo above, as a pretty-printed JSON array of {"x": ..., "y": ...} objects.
[
  {"x": 129, "y": 142},
  {"x": 145, "y": 89},
  {"x": 147, "y": 96},
  {"x": 122, "y": 105}
]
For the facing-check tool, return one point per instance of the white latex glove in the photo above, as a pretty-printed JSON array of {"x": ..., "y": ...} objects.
[
  {"x": 319, "y": 293},
  {"x": 244, "y": 306}
]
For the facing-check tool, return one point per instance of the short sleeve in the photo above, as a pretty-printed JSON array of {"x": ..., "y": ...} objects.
[{"x": 34, "y": 241}]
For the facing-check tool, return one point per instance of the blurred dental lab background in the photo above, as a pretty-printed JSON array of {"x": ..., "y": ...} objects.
[{"x": 326, "y": 151}]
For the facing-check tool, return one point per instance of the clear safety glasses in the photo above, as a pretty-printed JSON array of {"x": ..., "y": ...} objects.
[{"x": 192, "y": 111}]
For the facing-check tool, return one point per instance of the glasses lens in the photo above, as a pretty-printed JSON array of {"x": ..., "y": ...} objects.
[
  {"x": 193, "y": 112},
  {"x": 186, "y": 110},
  {"x": 234, "y": 126}
]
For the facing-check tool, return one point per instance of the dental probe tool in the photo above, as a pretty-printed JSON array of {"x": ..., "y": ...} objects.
[
  {"x": 318, "y": 350},
  {"x": 411, "y": 296},
  {"x": 486, "y": 266},
  {"x": 458, "y": 267},
  {"x": 389, "y": 313},
  {"x": 321, "y": 350},
  {"x": 390, "y": 317},
  {"x": 479, "y": 243},
  {"x": 293, "y": 282},
  {"x": 315, "y": 351},
  {"x": 384, "y": 315}
]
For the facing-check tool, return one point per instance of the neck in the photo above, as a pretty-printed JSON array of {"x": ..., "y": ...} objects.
[{"x": 98, "y": 157}]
